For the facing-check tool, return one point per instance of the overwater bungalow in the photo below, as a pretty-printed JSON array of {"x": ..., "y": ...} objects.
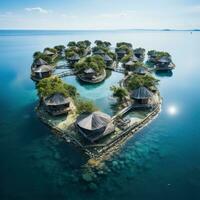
[
  {"x": 41, "y": 72},
  {"x": 73, "y": 59},
  {"x": 141, "y": 96},
  {"x": 141, "y": 70},
  {"x": 108, "y": 60},
  {"x": 94, "y": 126},
  {"x": 120, "y": 53},
  {"x": 164, "y": 63},
  {"x": 57, "y": 104}
]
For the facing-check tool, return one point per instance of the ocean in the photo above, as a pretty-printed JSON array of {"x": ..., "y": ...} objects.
[{"x": 162, "y": 161}]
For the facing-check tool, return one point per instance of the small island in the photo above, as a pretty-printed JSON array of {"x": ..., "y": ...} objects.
[{"x": 78, "y": 120}]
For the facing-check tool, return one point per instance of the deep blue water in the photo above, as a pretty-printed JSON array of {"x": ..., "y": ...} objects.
[{"x": 161, "y": 162}]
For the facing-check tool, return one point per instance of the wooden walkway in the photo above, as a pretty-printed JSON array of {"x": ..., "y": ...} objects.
[
  {"x": 65, "y": 73},
  {"x": 64, "y": 66}
]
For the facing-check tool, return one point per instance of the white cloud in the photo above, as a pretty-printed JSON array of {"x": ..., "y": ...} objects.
[{"x": 37, "y": 9}]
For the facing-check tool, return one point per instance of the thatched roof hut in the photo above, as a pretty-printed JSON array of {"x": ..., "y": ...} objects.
[
  {"x": 57, "y": 104},
  {"x": 42, "y": 71},
  {"x": 141, "y": 70},
  {"x": 164, "y": 60},
  {"x": 141, "y": 95},
  {"x": 73, "y": 59},
  {"x": 164, "y": 63},
  {"x": 95, "y": 125},
  {"x": 39, "y": 62},
  {"x": 89, "y": 71},
  {"x": 48, "y": 53},
  {"x": 107, "y": 59},
  {"x": 99, "y": 52}
]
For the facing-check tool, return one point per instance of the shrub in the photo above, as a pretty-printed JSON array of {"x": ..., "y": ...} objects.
[
  {"x": 135, "y": 81},
  {"x": 52, "y": 85},
  {"x": 85, "y": 106},
  {"x": 119, "y": 92}
]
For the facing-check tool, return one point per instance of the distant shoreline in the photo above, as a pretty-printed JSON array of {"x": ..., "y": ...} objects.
[{"x": 97, "y": 30}]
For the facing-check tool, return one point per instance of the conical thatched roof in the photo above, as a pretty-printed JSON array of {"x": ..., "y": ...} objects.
[
  {"x": 165, "y": 59},
  {"x": 89, "y": 71},
  {"x": 49, "y": 53},
  {"x": 134, "y": 58},
  {"x": 129, "y": 63},
  {"x": 40, "y": 62},
  {"x": 121, "y": 51},
  {"x": 56, "y": 99},
  {"x": 99, "y": 51},
  {"x": 43, "y": 68},
  {"x": 75, "y": 57},
  {"x": 141, "y": 70},
  {"x": 141, "y": 93},
  {"x": 107, "y": 58},
  {"x": 94, "y": 121}
]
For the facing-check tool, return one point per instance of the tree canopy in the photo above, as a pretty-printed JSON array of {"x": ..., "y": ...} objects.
[
  {"x": 79, "y": 48},
  {"x": 158, "y": 54},
  {"x": 52, "y": 85},
  {"x": 95, "y": 62},
  {"x": 37, "y": 55},
  {"x": 135, "y": 81},
  {"x": 83, "y": 106},
  {"x": 119, "y": 92},
  {"x": 119, "y": 44}
]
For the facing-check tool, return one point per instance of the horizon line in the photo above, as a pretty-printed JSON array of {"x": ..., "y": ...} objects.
[{"x": 120, "y": 29}]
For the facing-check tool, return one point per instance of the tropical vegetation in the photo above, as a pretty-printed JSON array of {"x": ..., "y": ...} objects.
[
  {"x": 52, "y": 85},
  {"x": 94, "y": 62},
  {"x": 119, "y": 92},
  {"x": 135, "y": 81},
  {"x": 85, "y": 106}
]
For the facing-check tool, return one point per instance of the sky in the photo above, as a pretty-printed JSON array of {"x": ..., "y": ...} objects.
[{"x": 99, "y": 14}]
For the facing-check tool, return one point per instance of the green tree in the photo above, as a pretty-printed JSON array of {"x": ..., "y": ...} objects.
[
  {"x": 135, "y": 81},
  {"x": 52, "y": 85},
  {"x": 119, "y": 92},
  {"x": 85, "y": 106}
]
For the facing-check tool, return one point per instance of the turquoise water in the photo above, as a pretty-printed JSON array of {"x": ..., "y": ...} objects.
[{"x": 161, "y": 162}]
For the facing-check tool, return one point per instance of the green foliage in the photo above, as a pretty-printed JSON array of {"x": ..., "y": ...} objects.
[
  {"x": 71, "y": 44},
  {"x": 119, "y": 92},
  {"x": 37, "y": 55},
  {"x": 83, "y": 106},
  {"x": 135, "y": 81},
  {"x": 129, "y": 50},
  {"x": 139, "y": 50},
  {"x": 138, "y": 64},
  {"x": 51, "y": 50},
  {"x": 69, "y": 53},
  {"x": 103, "y": 44},
  {"x": 157, "y": 54},
  {"x": 59, "y": 48},
  {"x": 79, "y": 48},
  {"x": 95, "y": 62},
  {"x": 52, "y": 85},
  {"x": 129, "y": 45},
  {"x": 126, "y": 58}
]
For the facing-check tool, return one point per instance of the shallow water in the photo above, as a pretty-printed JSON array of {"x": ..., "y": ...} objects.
[{"x": 161, "y": 162}]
